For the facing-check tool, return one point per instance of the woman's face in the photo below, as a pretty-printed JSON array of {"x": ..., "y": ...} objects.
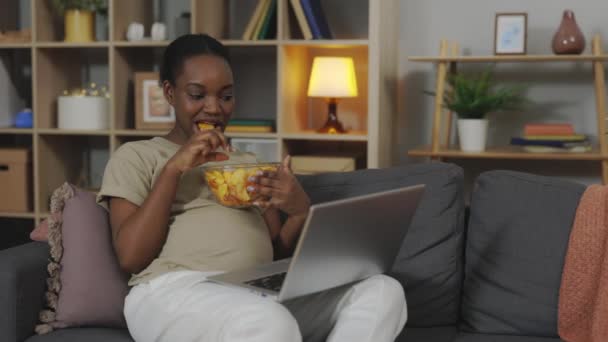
[{"x": 203, "y": 93}]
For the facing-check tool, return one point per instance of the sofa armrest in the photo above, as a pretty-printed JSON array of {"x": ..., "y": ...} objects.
[{"x": 22, "y": 285}]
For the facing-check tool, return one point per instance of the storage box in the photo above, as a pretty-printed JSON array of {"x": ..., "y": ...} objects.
[
  {"x": 266, "y": 150},
  {"x": 15, "y": 180},
  {"x": 304, "y": 165}
]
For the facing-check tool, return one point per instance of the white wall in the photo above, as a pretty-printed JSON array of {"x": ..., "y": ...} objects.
[{"x": 561, "y": 92}]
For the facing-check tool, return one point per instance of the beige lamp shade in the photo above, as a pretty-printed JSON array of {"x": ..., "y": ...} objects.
[{"x": 332, "y": 77}]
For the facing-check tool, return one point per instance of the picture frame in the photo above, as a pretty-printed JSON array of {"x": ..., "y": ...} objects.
[
  {"x": 152, "y": 111},
  {"x": 510, "y": 33}
]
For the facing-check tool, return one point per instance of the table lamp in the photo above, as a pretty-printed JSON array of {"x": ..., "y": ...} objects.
[{"x": 332, "y": 78}]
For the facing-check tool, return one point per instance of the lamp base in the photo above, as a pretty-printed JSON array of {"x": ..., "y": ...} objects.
[{"x": 332, "y": 125}]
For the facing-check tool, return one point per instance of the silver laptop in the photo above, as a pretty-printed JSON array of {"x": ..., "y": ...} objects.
[{"x": 341, "y": 242}]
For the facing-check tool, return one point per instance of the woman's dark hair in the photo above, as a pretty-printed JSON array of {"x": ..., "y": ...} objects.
[{"x": 185, "y": 47}]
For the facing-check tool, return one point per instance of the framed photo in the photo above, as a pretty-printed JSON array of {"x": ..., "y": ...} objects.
[
  {"x": 510, "y": 33},
  {"x": 152, "y": 111}
]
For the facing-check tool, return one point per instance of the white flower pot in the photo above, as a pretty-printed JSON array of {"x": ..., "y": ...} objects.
[
  {"x": 472, "y": 134},
  {"x": 83, "y": 112}
]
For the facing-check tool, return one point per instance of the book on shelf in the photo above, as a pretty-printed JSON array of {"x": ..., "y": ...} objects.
[
  {"x": 549, "y": 149},
  {"x": 268, "y": 28},
  {"x": 250, "y": 126},
  {"x": 301, "y": 18},
  {"x": 575, "y": 143},
  {"x": 548, "y": 129},
  {"x": 548, "y": 142},
  {"x": 263, "y": 21},
  {"x": 316, "y": 19},
  {"x": 255, "y": 17},
  {"x": 248, "y": 129},
  {"x": 574, "y": 137}
]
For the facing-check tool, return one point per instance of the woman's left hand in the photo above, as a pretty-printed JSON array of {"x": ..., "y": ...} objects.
[{"x": 280, "y": 190}]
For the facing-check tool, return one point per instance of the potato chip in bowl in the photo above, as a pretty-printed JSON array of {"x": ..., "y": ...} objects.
[{"x": 229, "y": 182}]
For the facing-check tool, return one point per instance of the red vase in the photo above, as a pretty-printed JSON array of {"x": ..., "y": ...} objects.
[{"x": 568, "y": 40}]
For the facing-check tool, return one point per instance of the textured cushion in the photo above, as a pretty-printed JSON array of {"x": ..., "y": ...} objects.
[
  {"x": 86, "y": 285},
  {"x": 516, "y": 243},
  {"x": 464, "y": 337},
  {"x": 84, "y": 334},
  {"x": 432, "y": 334},
  {"x": 429, "y": 264}
]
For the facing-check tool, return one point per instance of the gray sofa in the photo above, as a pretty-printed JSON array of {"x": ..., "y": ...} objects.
[{"x": 495, "y": 278}]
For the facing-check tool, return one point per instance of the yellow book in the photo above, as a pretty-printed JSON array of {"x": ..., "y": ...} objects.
[
  {"x": 299, "y": 11},
  {"x": 260, "y": 22},
  {"x": 574, "y": 137},
  {"x": 255, "y": 18},
  {"x": 248, "y": 129}
]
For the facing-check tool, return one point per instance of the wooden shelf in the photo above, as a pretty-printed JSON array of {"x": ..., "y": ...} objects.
[
  {"x": 15, "y": 45},
  {"x": 28, "y": 215},
  {"x": 514, "y": 58},
  {"x": 57, "y": 131},
  {"x": 141, "y": 43},
  {"x": 507, "y": 152},
  {"x": 251, "y": 135},
  {"x": 238, "y": 42},
  {"x": 326, "y": 42},
  {"x": 11, "y": 130},
  {"x": 311, "y": 135},
  {"x": 154, "y": 133},
  {"x": 138, "y": 133},
  {"x": 60, "y": 45},
  {"x": 440, "y": 134},
  {"x": 275, "y": 70}
]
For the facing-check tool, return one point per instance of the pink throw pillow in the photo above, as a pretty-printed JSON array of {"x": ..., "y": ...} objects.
[
  {"x": 86, "y": 286},
  {"x": 41, "y": 232}
]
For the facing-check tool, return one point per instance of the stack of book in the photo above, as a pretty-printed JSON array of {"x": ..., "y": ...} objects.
[
  {"x": 263, "y": 22},
  {"x": 250, "y": 126},
  {"x": 550, "y": 137}
]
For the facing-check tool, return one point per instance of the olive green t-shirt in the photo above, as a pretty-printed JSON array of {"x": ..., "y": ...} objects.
[{"x": 203, "y": 235}]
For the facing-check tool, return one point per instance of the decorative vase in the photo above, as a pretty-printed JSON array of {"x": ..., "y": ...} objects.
[
  {"x": 472, "y": 134},
  {"x": 568, "y": 40},
  {"x": 79, "y": 26}
]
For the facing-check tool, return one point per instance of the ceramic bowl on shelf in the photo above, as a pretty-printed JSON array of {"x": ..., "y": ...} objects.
[{"x": 228, "y": 183}]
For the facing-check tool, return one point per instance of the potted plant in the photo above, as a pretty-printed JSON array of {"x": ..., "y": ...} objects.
[
  {"x": 472, "y": 98},
  {"x": 79, "y": 18}
]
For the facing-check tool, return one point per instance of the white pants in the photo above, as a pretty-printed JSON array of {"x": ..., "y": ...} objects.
[{"x": 182, "y": 307}]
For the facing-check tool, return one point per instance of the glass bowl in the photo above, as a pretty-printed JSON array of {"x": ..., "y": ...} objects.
[{"x": 228, "y": 183}]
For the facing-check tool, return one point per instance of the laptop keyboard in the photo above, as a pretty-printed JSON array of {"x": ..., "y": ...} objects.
[{"x": 272, "y": 282}]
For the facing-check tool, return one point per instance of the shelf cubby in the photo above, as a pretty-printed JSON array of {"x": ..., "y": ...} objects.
[
  {"x": 15, "y": 16},
  {"x": 307, "y": 113},
  {"x": 128, "y": 61},
  {"x": 222, "y": 19},
  {"x": 63, "y": 69},
  {"x": 17, "y": 65},
  {"x": 63, "y": 158},
  {"x": 329, "y": 148},
  {"x": 255, "y": 81},
  {"x": 347, "y": 19},
  {"x": 147, "y": 12}
]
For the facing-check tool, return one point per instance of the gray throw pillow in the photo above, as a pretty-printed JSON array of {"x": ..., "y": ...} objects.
[
  {"x": 516, "y": 244},
  {"x": 429, "y": 264}
]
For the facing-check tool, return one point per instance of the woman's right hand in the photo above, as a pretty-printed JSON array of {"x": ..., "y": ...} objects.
[{"x": 200, "y": 149}]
